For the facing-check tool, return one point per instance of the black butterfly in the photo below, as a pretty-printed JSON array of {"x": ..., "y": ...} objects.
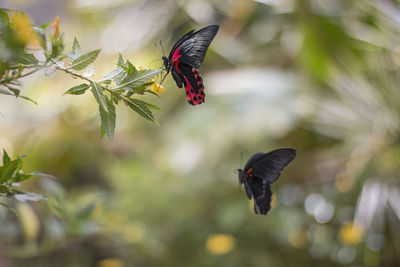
[
  {"x": 186, "y": 57},
  {"x": 260, "y": 172}
]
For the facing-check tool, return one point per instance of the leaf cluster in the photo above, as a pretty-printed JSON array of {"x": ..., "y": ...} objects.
[
  {"x": 119, "y": 85},
  {"x": 15, "y": 60},
  {"x": 11, "y": 175}
]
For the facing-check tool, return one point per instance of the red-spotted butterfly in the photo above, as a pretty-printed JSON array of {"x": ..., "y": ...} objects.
[
  {"x": 260, "y": 172},
  {"x": 186, "y": 57}
]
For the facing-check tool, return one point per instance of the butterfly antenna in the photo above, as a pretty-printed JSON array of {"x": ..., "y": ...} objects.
[
  {"x": 241, "y": 158},
  {"x": 162, "y": 48}
]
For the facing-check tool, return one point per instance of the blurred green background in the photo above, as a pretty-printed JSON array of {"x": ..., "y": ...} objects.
[{"x": 319, "y": 76}]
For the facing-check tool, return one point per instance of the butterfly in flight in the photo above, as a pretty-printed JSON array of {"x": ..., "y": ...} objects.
[
  {"x": 185, "y": 59},
  {"x": 260, "y": 172}
]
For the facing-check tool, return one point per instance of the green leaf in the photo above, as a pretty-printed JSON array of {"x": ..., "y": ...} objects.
[
  {"x": 21, "y": 176},
  {"x": 141, "y": 108},
  {"x": 76, "y": 51},
  {"x": 84, "y": 60},
  {"x": 78, "y": 90},
  {"x": 14, "y": 90},
  {"x": 29, "y": 99},
  {"x": 137, "y": 79},
  {"x": 76, "y": 48},
  {"x": 115, "y": 75},
  {"x": 5, "y": 189},
  {"x": 26, "y": 59},
  {"x": 108, "y": 119},
  {"x": 99, "y": 96},
  {"x": 131, "y": 68},
  {"x": 120, "y": 60},
  {"x": 21, "y": 96},
  {"x": 8, "y": 169},
  {"x": 6, "y": 158}
]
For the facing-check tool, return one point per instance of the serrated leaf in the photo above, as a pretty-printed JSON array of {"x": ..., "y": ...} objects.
[
  {"x": 78, "y": 90},
  {"x": 137, "y": 79},
  {"x": 76, "y": 48},
  {"x": 20, "y": 176},
  {"x": 130, "y": 66},
  {"x": 76, "y": 51},
  {"x": 84, "y": 60},
  {"x": 8, "y": 169},
  {"x": 29, "y": 197},
  {"x": 112, "y": 75},
  {"x": 6, "y": 158},
  {"x": 141, "y": 108},
  {"x": 108, "y": 119},
  {"x": 29, "y": 99},
  {"x": 120, "y": 60},
  {"x": 14, "y": 90},
  {"x": 90, "y": 71},
  {"x": 26, "y": 59},
  {"x": 99, "y": 96}
]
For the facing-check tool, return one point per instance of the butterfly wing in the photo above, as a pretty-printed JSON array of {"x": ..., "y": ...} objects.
[
  {"x": 192, "y": 80},
  {"x": 269, "y": 166},
  {"x": 262, "y": 195},
  {"x": 263, "y": 169},
  {"x": 192, "y": 47}
]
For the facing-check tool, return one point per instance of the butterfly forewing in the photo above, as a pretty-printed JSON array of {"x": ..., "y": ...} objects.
[
  {"x": 270, "y": 165},
  {"x": 193, "y": 49}
]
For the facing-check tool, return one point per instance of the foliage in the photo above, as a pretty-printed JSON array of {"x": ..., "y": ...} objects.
[
  {"x": 11, "y": 175},
  {"x": 118, "y": 85},
  {"x": 318, "y": 76}
]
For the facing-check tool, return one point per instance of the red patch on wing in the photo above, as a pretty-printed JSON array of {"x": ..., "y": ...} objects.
[
  {"x": 176, "y": 56},
  {"x": 194, "y": 88}
]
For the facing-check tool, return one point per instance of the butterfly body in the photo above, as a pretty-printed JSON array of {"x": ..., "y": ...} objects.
[
  {"x": 260, "y": 172},
  {"x": 186, "y": 57}
]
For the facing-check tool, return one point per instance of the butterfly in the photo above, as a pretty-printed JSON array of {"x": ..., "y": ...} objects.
[
  {"x": 260, "y": 172},
  {"x": 185, "y": 59}
]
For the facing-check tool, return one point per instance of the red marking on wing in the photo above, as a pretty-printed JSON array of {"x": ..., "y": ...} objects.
[
  {"x": 194, "y": 90},
  {"x": 176, "y": 56},
  {"x": 249, "y": 174},
  {"x": 193, "y": 84}
]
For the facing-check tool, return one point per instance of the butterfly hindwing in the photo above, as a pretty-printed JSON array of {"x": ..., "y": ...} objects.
[
  {"x": 262, "y": 199},
  {"x": 193, "y": 83}
]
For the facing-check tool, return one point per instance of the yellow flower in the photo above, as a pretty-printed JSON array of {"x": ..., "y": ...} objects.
[
  {"x": 219, "y": 244},
  {"x": 155, "y": 87},
  {"x": 351, "y": 234},
  {"x": 24, "y": 31},
  {"x": 56, "y": 25}
]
